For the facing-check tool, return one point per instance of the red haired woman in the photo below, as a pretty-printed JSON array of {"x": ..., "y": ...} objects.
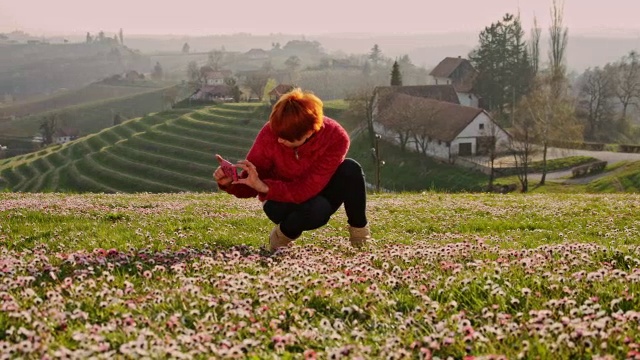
[{"x": 297, "y": 168}]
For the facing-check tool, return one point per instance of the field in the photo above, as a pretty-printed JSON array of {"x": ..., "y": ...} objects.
[
  {"x": 173, "y": 151},
  {"x": 182, "y": 276}
]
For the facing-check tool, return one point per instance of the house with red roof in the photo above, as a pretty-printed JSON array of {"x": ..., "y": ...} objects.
[{"x": 459, "y": 73}]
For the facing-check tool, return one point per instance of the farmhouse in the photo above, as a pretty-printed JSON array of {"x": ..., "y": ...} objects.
[
  {"x": 212, "y": 93},
  {"x": 278, "y": 91},
  {"x": 459, "y": 73},
  {"x": 441, "y": 129},
  {"x": 65, "y": 135}
]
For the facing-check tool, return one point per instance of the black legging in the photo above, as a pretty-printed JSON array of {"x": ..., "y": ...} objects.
[{"x": 346, "y": 186}]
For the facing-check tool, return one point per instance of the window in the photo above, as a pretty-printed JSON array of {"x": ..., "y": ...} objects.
[{"x": 481, "y": 126}]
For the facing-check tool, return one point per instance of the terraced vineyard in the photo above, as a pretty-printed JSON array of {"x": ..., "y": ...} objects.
[{"x": 172, "y": 151}]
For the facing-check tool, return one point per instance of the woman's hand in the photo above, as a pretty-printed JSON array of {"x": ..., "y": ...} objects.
[
  {"x": 252, "y": 180},
  {"x": 221, "y": 178}
]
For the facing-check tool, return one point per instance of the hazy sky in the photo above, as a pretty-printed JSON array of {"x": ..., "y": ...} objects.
[{"x": 199, "y": 17}]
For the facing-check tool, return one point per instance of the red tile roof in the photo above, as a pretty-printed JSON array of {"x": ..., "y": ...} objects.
[{"x": 438, "y": 119}]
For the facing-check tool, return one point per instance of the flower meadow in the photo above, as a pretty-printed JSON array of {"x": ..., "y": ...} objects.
[{"x": 448, "y": 276}]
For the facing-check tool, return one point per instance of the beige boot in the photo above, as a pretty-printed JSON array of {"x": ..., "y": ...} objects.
[
  {"x": 277, "y": 239},
  {"x": 359, "y": 236}
]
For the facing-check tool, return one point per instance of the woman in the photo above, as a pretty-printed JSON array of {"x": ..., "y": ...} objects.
[{"x": 297, "y": 168}]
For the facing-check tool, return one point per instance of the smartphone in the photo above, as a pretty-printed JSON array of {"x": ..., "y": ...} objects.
[{"x": 229, "y": 169}]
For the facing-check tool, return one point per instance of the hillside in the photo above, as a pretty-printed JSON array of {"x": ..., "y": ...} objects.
[
  {"x": 32, "y": 70},
  {"x": 173, "y": 151},
  {"x": 93, "y": 116},
  {"x": 91, "y": 93},
  {"x": 464, "y": 276}
]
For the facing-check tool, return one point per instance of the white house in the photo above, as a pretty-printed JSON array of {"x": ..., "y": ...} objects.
[
  {"x": 440, "y": 129},
  {"x": 214, "y": 78},
  {"x": 459, "y": 73},
  {"x": 62, "y": 136}
]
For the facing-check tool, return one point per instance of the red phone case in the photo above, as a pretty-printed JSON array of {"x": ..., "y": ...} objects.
[{"x": 229, "y": 170}]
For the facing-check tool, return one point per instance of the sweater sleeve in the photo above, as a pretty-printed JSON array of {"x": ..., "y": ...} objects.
[
  {"x": 259, "y": 156},
  {"x": 310, "y": 183}
]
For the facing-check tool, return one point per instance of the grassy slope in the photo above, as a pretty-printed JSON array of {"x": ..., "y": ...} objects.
[
  {"x": 90, "y": 117},
  {"x": 92, "y": 93},
  {"x": 455, "y": 274},
  {"x": 173, "y": 151}
]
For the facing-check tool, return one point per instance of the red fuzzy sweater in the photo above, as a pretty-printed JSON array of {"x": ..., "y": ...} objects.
[{"x": 294, "y": 175}]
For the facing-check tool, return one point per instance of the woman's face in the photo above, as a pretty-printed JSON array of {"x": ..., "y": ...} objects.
[{"x": 296, "y": 143}]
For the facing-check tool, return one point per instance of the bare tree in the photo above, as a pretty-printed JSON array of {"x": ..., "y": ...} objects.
[
  {"x": 215, "y": 59},
  {"x": 534, "y": 45},
  {"x": 48, "y": 128},
  {"x": 256, "y": 82},
  {"x": 400, "y": 118},
  {"x": 596, "y": 100},
  {"x": 521, "y": 145},
  {"x": 627, "y": 81},
  {"x": 490, "y": 145},
  {"x": 361, "y": 108},
  {"x": 552, "y": 115},
  {"x": 558, "y": 40}
]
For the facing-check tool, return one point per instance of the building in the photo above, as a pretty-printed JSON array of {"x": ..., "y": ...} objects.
[
  {"x": 443, "y": 130},
  {"x": 65, "y": 135},
  {"x": 278, "y": 91},
  {"x": 213, "y": 93},
  {"x": 459, "y": 73}
]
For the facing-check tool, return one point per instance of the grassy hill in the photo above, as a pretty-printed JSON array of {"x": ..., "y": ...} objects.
[
  {"x": 173, "y": 151},
  {"x": 88, "y": 94},
  {"x": 93, "y": 116},
  {"x": 471, "y": 276}
]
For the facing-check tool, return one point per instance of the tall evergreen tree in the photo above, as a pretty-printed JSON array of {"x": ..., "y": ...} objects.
[
  {"x": 396, "y": 77},
  {"x": 375, "y": 55},
  {"x": 503, "y": 64},
  {"x": 121, "y": 35}
]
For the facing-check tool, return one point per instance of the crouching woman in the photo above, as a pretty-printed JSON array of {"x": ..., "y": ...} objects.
[{"x": 297, "y": 168}]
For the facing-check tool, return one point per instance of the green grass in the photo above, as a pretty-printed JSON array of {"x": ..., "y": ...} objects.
[
  {"x": 409, "y": 171},
  {"x": 562, "y": 163},
  {"x": 626, "y": 178},
  {"x": 459, "y": 274}
]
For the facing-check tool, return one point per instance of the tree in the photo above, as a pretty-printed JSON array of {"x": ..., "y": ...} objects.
[
  {"x": 595, "y": 104},
  {"x": 558, "y": 39},
  {"x": 256, "y": 82},
  {"x": 400, "y": 117},
  {"x": 235, "y": 89},
  {"x": 215, "y": 59},
  {"x": 396, "y": 77},
  {"x": 536, "y": 32},
  {"x": 375, "y": 55},
  {"x": 157, "y": 73},
  {"x": 193, "y": 72},
  {"x": 292, "y": 63},
  {"x": 186, "y": 48},
  {"x": 549, "y": 107},
  {"x": 89, "y": 38},
  {"x": 121, "y": 37},
  {"x": 627, "y": 82},
  {"x": 169, "y": 97},
  {"x": 552, "y": 114},
  {"x": 117, "y": 119},
  {"x": 48, "y": 128},
  {"x": 504, "y": 70},
  {"x": 493, "y": 148},
  {"x": 360, "y": 108},
  {"x": 521, "y": 145}
]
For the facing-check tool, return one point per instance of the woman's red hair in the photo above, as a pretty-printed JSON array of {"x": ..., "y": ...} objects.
[{"x": 295, "y": 114}]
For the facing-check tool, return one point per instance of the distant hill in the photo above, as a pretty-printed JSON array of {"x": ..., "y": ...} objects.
[
  {"x": 31, "y": 70},
  {"x": 584, "y": 50}
]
